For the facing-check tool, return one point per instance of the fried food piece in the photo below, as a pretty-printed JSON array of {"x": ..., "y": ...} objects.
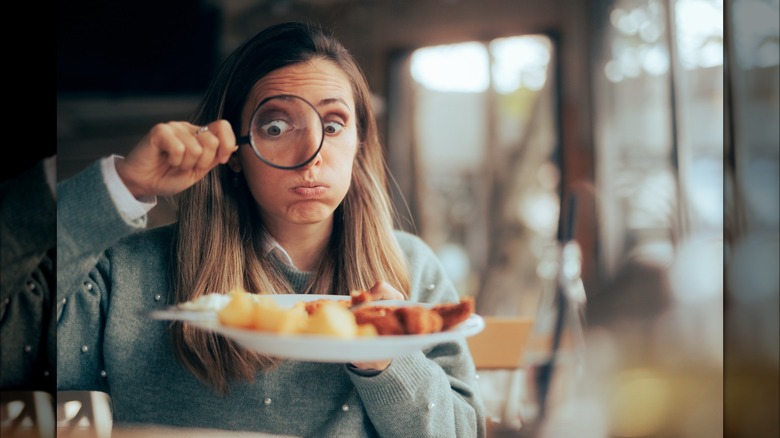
[
  {"x": 364, "y": 315},
  {"x": 313, "y": 306},
  {"x": 415, "y": 320},
  {"x": 419, "y": 320},
  {"x": 269, "y": 317},
  {"x": 238, "y": 312},
  {"x": 332, "y": 319},
  {"x": 366, "y": 331},
  {"x": 453, "y": 314},
  {"x": 383, "y": 318},
  {"x": 360, "y": 297}
]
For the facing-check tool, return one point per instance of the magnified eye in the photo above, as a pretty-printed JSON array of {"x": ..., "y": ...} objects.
[
  {"x": 333, "y": 127},
  {"x": 273, "y": 128}
]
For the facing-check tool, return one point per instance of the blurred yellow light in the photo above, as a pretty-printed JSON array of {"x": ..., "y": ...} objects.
[{"x": 640, "y": 403}]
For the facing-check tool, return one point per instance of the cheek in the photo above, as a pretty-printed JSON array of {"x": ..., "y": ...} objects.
[
  {"x": 341, "y": 157},
  {"x": 342, "y": 148},
  {"x": 261, "y": 179}
]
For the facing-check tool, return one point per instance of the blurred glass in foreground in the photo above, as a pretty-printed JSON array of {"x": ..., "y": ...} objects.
[
  {"x": 653, "y": 365},
  {"x": 752, "y": 220},
  {"x": 553, "y": 359}
]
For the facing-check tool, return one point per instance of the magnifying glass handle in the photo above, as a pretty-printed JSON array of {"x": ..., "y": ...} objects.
[{"x": 242, "y": 140}]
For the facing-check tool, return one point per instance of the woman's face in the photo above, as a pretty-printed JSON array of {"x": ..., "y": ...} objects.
[{"x": 309, "y": 194}]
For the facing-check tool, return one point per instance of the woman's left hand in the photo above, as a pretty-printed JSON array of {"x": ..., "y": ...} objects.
[{"x": 380, "y": 291}]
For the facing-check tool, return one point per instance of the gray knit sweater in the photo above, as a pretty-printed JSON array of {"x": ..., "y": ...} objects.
[
  {"x": 27, "y": 238},
  {"x": 110, "y": 274}
]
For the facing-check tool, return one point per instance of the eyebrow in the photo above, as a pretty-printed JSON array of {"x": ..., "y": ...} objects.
[{"x": 332, "y": 100}]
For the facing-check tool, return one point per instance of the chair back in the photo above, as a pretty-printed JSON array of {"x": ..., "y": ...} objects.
[
  {"x": 26, "y": 414},
  {"x": 498, "y": 354},
  {"x": 500, "y": 345},
  {"x": 84, "y": 414}
]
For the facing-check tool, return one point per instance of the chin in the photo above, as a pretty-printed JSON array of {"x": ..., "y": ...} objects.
[{"x": 304, "y": 215}]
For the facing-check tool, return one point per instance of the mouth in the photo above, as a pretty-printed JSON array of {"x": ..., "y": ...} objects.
[{"x": 309, "y": 190}]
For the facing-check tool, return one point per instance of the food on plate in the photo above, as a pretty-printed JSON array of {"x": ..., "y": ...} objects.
[
  {"x": 239, "y": 311},
  {"x": 350, "y": 318},
  {"x": 414, "y": 320},
  {"x": 383, "y": 318},
  {"x": 313, "y": 307},
  {"x": 455, "y": 313},
  {"x": 212, "y": 301},
  {"x": 331, "y": 318},
  {"x": 259, "y": 312},
  {"x": 319, "y": 317},
  {"x": 270, "y": 317},
  {"x": 419, "y": 320},
  {"x": 358, "y": 297},
  {"x": 403, "y": 320}
]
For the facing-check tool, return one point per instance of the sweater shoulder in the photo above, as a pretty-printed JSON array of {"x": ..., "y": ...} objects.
[
  {"x": 412, "y": 244},
  {"x": 152, "y": 239},
  {"x": 415, "y": 249}
]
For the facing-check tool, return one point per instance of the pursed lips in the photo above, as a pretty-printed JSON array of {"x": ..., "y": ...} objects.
[{"x": 309, "y": 190}]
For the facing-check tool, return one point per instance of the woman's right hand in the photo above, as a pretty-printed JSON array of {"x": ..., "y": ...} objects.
[{"x": 173, "y": 156}]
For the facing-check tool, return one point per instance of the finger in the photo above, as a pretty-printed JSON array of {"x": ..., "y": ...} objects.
[
  {"x": 372, "y": 366},
  {"x": 382, "y": 290},
  {"x": 227, "y": 140},
  {"x": 192, "y": 148},
  {"x": 209, "y": 144},
  {"x": 174, "y": 150},
  {"x": 163, "y": 140}
]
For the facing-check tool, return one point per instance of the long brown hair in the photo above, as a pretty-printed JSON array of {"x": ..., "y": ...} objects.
[{"x": 219, "y": 236}]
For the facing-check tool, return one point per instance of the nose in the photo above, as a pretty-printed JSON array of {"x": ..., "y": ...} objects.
[
  {"x": 314, "y": 138},
  {"x": 314, "y": 161},
  {"x": 304, "y": 146}
]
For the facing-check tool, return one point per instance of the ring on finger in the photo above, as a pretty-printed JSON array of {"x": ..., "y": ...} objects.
[{"x": 201, "y": 130}]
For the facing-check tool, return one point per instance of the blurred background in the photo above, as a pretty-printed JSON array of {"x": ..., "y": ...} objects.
[{"x": 644, "y": 130}]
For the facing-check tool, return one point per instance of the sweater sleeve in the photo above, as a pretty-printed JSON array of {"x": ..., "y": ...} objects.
[
  {"x": 432, "y": 392},
  {"x": 88, "y": 223},
  {"x": 27, "y": 226},
  {"x": 27, "y": 247}
]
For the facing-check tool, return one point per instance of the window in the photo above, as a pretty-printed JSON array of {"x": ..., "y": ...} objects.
[
  {"x": 472, "y": 142},
  {"x": 660, "y": 127}
]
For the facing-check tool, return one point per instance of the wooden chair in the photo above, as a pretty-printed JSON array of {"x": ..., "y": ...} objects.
[
  {"x": 26, "y": 414},
  {"x": 498, "y": 354},
  {"x": 500, "y": 345},
  {"x": 84, "y": 414}
]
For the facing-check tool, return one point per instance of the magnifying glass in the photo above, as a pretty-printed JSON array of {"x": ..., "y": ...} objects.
[{"x": 285, "y": 132}]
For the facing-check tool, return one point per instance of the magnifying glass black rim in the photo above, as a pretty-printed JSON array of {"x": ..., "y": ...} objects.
[{"x": 247, "y": 139}]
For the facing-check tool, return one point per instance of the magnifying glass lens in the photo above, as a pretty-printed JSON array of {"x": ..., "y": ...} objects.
[{"x": 286, "y": 132}]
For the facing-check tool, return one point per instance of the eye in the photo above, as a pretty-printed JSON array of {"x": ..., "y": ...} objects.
[
  {"x": 333, "y": 127},
  {"x": 273, "y": 128}
]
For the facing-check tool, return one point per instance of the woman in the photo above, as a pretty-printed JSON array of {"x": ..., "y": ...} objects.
[{"x": 324, "y": 227}]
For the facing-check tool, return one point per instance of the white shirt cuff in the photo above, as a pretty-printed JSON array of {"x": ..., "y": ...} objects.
[{"x": 133, "y": 210}]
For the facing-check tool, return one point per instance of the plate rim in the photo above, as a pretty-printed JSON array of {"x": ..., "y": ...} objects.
[{"x": 308, "y": 347}]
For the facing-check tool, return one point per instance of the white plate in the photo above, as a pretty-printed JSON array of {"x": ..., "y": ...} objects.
[{"x": 325, "y": 348}]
